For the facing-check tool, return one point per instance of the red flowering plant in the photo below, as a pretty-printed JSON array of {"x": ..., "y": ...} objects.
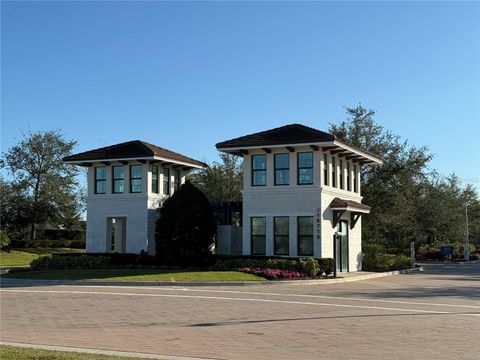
[{"x": 273, "y": 274}]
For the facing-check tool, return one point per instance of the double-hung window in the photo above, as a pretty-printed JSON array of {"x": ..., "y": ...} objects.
[
  {"x": 135, "y": 178},
  {"x": 281, "y": 232},
  {"x": 282, "y": 167},
  {"x": 259, "y": 170},
  {"x": 258, "y": 235},
  {"x": 355, "y": 184},
  {"x": 340, "y": 164},
  {"x": 118, "y": 177},
  {"x": 325, "y": 169},
  {"x": 100, "y": 179},
  {"x": 305, "y": 235},
  {"x": 349, "y": 185},
  {"x": 305, "y": 168},
  {"x": 155, "y": 179},
  {"x": 334, "y": 172},
  {"x": 176, "y": 180},
  {"x": 166, "y": 181}
]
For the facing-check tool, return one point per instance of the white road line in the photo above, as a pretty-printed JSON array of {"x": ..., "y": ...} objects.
[
  {"x": 233, "y": 299},
  {"x": 292, "y": 295}
]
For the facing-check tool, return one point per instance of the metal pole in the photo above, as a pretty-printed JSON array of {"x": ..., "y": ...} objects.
[{"x": 466, "y": 251}]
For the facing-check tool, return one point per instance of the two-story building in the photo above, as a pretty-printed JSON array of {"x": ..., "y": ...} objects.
[
  {"x": 127, "y": 182},
  {"x": 301, "y": 188}
]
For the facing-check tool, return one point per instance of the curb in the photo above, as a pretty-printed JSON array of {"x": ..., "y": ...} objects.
[
  {"x": 100, "y": 351},
  {"x": 224, "y": 283}
]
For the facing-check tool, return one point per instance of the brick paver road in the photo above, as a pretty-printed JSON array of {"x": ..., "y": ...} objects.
[{"x": 429, "y": 315}]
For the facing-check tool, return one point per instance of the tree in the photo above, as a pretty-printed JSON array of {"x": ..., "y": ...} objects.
[
  {"x": 40, "y": 176},
  {"x": 221, "y": 182},
  {"x": 186, "y": 226}
]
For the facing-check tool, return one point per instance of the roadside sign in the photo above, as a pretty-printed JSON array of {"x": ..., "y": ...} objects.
[{"x": 446, "y": 250}]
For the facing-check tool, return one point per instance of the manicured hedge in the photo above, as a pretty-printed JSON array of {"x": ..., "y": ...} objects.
[
  {"x": 376, "y": 259},
  {"x": 74, "y": 244},
  {"x": 70, "y": 262}
]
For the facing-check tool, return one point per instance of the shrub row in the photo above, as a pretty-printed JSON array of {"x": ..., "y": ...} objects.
[
  {"x": 75, "y": 244},
  {"x": 70, "y": 262},
  {"x": 273, "y": 274},
  {"x": 309, "y": 266}
]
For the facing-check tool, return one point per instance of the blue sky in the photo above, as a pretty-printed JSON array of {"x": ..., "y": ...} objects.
[{"x": 188, "y": 75}]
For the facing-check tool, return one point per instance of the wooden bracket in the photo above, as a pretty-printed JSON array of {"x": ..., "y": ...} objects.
[
  {"x": 354, "y": 216},
  {"x": 337, "y": 214}
]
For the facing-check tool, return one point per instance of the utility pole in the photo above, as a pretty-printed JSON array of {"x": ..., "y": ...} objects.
[{"x": 466, "y": 252}]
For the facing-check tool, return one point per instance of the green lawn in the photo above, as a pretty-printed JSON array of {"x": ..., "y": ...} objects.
[
  {"x": 23, "y": 257},
  {"x": 166, "y": 275},
  {"x": 18, "y": 353}
]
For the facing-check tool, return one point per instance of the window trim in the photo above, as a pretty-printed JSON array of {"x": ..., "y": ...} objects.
[
  {"x": 281, "y": 169},
  {"x": 136, "y": 178},
  {"x": 168, "y": 181},
  {"x": 114, "y": 179},
  {"x": 259, "y": 170},
  {"x": 252, "y": 235},
  {"x": 155, "y": 188},
  {"x": 104, "y": 180},
  {"x": 287, "y": 235},
  {"x": 299, "y": 235},
  {"x": 305, "y": 167}
]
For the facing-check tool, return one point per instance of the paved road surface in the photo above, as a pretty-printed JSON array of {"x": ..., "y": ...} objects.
[{"x": 430, "y": 315}]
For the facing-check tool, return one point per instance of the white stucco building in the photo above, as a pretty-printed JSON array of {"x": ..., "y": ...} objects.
[
  {"x": 301, "y": 188},
  {"x": 126, "y": 184}
]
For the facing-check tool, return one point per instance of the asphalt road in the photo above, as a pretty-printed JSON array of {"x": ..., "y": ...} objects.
[{"x": 434, "y": 314}]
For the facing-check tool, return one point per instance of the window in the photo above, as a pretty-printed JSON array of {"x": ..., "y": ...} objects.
[
  {"x": 305, "y": 235},
  {"x": 281, "y": 232},
  {"x": 258, "y": 231},
  {"x": 259, "y": 170},
  {"x": 305, "y": 168},
  {"x": 135, "y": 178},
  {"x": 325, "y": 169},
  {"x": 282, "y": 169},
  {"x": 349, "y": 185},
  {"x": 340, "y": 163},
  {"x": 166, "y": 181},
  {"x": 155, "y": 179},
  {"x": 118, "y": 176},
  {"x": 100, "y": 179},
  {"x": 176, "y": 180},
  {"x": 334, "y": 173},
  {"x": 355, "y": 178}
]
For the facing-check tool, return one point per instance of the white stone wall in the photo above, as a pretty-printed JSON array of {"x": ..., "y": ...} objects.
[
  {"x": 139, "y": 209},
  {"x": 301, "y": 200}
]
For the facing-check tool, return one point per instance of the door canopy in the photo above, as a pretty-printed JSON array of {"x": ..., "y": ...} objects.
[{"x": 341, "y": 206}]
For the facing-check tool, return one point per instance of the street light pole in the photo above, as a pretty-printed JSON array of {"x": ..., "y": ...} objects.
[{"x": 466, "y": 252}]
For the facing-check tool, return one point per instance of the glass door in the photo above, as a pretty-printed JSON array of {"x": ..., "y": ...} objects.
[{"x": 341, "y": 244}]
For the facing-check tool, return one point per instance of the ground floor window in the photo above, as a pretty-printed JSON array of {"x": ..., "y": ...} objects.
[
  {"x": 258, "y": 235},
  {"x": 305, "y": 235},
  {"x": 281, "y": 232}
]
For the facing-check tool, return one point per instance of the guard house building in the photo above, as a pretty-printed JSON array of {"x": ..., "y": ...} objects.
[
  {"x": 127, "y": 182},
  {"x": 301, "y": 188}
]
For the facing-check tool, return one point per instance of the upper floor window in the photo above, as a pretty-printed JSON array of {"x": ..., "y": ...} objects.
[
  {"x": 135, "y": 178},
  {"x": 259, "y": 170},
  {"x": 334, "y": 172},
  {"x": 305, "y": 235},
  {"x": 100, "y": 179},
  {"x": 155, "y": 179},
  {"x": 176, "y": 180},
  {"x": 282, "y": 169},
  {"x": 305, "y": 168},
  {"x": 349, "y": 185},
  {"x": 166, "y": 181},
  {"x": 355, "y": 184},
  {"x": 118, "y": 176},
  {"x": 340, "y": 164},
  {"x": 325, "y": 169}
]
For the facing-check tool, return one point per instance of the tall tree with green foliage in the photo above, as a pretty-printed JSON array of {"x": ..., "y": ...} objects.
[
  {"x": 221, "y": 181},
  {"x": 39, "y": 175}
]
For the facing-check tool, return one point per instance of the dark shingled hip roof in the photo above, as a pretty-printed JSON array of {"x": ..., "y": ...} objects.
[
  {"x": 288, "y": 134},
  {"x": 131, "y": 150},
  {"x": 341, "y": 203}
]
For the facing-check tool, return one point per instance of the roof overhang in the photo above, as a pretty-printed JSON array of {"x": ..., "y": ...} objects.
[
  {"x": 337, "y": 147},
  {"x": 152, "y": 159},
  {"x": 341, "y": 206}
]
